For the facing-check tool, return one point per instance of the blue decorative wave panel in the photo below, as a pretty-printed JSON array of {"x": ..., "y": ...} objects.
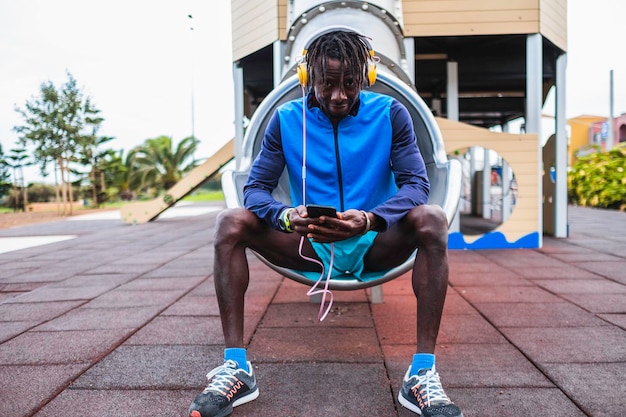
[{"x": 493, "y": 240}]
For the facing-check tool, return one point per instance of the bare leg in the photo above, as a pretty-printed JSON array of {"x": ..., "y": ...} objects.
[
  {"x": 231, "y": 276},
  {"x": 236, "y": 230},
  {"x": 430, "y": 277},
  {"x": 425, "y": 228}
]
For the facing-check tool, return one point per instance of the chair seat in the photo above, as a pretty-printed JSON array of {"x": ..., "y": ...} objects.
[{"x": 344, "y": 282}]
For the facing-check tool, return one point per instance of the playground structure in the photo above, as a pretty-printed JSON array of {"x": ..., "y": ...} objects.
[
  {"x": 476, "y": 65},
  {"x": 521, "y": 228}
]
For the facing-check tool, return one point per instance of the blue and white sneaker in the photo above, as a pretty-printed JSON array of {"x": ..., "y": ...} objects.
[
  {"x": 229, "y": 386},
  {"x": 424, "y": 395}
]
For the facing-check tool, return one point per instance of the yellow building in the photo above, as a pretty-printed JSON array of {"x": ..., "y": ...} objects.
[{"x": 579, "y": 136}]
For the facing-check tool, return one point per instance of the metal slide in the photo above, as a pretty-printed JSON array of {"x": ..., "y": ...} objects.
[{"x": 145, "y": 211}]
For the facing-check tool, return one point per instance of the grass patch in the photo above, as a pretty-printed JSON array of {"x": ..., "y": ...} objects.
[
  {"x": 198, "y": 196},
  {"x": 203, "y": 196},
  {"x": 114, "y": 204}
]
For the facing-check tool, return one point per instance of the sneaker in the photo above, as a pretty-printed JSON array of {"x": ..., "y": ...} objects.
[
  {"x": 424, "y": 395},
  {"x": 229, "y": 386}
]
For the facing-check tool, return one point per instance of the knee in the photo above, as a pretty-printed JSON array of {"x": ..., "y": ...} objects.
[
  {"x": 231, "y": 225},
  {"x": 431, "y": 224}
]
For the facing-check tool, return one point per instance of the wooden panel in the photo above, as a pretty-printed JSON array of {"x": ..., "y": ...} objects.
[
  {"x": 460, "y": 6},
  {"x": 522, "y": 153},
  {"x": 470, "y": 29},
  {"x": 282, "y": 20},
  {"x": 255, "y": 24},
  {"x": 470, "y": 17},
  {"x": 477, "y": 17},
  {"x": 554, "y": 22}
]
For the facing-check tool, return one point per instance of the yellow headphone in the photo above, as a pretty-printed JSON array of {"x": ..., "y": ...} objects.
[{"x": 303, "y": 75}]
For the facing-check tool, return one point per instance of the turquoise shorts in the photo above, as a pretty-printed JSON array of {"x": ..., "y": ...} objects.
[{"x": 348, "y": 262}]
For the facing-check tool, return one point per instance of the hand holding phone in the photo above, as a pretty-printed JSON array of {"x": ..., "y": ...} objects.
[{"x": 316, "y": 210}]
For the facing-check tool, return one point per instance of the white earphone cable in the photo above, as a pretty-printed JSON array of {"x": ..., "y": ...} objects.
[{"x": 314, "y": 289}]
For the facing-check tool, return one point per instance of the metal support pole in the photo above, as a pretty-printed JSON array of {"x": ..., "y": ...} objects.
[
  {"x": 507, "y": 176},
  {"x": 486, "y": 192},
  {"x": 278, "y": 62},
  {"x": 507, "y": 200},
  {"x": 534, "y": 93},
  {"x": 610, "y": 141},
  {"x": 239, "y": 97},
  {"x": 452, "y": 106},
  {"x": 452, "y": 100},
  {"x": 560, "y": 186},
  {"x": 193, "y": 60}
]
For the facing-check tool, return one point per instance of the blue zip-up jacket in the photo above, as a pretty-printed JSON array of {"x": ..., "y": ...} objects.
[{"x": 369, "y": 161}]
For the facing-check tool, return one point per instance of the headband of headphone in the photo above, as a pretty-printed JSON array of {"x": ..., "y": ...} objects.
[{"x": 303, "y": 75}]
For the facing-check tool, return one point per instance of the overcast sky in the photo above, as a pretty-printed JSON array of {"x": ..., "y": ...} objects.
[
  {"x": 136, "y": 59},
  {"x": 139, "y": 61}
]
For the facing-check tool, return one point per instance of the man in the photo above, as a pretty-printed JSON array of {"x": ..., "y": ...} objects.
[{"x": 362, "y": 158}]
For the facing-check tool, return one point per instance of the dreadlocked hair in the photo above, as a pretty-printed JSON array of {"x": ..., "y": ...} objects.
[{"x": 350, "y": 48}]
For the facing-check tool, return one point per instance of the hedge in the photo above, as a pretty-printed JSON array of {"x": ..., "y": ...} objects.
[{"x": 599, "y": 179}]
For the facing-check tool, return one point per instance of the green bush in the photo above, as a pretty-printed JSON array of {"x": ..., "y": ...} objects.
[
  {"x": 37, "y": 193},
  {"x": 599, "y": 179},
  {"x": 40, "y": 193}
]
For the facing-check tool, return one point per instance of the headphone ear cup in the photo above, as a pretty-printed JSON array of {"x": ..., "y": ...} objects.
[
  {"x": 371, "y": 73},
  {"x": 303, "y": 76}
]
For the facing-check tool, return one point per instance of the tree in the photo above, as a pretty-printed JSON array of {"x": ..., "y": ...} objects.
[
  {"x": 17, "y": 160},
  {"x": 92, "y": 156},
  {"x": 59, "y": 124},
  {"x": 89, "y": 154},
  {"x": 117, "y": 172},
  {"x": 5, "y": 176},
  {"x": 160, "y": 166}
]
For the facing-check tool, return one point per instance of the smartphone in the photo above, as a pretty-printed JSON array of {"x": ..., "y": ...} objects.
[{"x": 316, "y": 210}]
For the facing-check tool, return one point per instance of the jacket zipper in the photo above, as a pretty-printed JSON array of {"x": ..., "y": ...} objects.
[{"x": 338, "y": 160}]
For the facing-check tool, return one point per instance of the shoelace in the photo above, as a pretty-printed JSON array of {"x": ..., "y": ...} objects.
[
  {"x": 222, "y": 378},
  {"x": 430, "y": 389}
]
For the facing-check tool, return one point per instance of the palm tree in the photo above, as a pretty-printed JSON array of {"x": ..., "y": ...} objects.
[
  {"x": 159, "y": 166},
  {"x": 110, "y": 175}
]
